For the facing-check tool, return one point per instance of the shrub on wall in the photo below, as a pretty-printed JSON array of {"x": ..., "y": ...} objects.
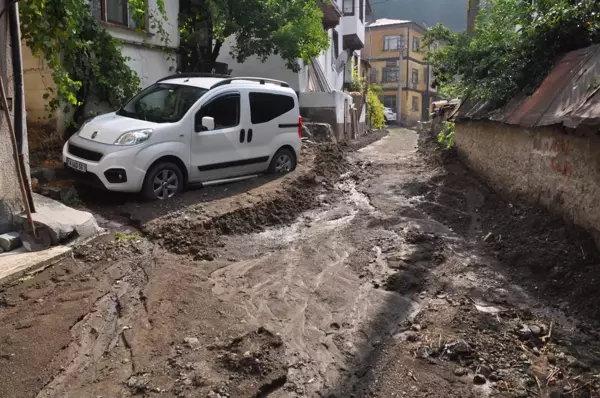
[{"x": 375, "y": 111}]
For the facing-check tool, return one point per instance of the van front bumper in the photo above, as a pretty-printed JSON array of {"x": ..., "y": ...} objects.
[{"x": 106, "y": 166}]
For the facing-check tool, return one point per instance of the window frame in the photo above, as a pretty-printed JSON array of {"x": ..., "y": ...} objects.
[
  {"x": 415, "y": 72},
  {"x": 388, "y": 97},
  {"x": 344, "y": 7},
  {"x": 415, "y": 103},
  {"x": 128, "y": 25},
  {"x": 373, "y": 74},
  {"x": 336, "y": 43},
  {"x": 213, "y": 99},
  {"x": 385, "y": 73},
  {"x": 388, "y": 38},
  {"x": 416, "y": 44}
]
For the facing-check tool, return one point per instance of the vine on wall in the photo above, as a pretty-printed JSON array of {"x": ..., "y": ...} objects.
[{"x": 84, "y": 58}]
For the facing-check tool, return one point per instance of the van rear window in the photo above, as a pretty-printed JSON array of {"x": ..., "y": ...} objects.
[{"x": 265, "y": 107}]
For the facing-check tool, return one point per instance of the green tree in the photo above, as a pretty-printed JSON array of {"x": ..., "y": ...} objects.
[
  {"x": 514, "y": 46},
  {"x": 292, "y": 29},
  {"x": 86, "y": 61}
]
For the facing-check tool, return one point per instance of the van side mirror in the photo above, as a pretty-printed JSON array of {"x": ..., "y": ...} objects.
[{"x": 208, "y": 123}]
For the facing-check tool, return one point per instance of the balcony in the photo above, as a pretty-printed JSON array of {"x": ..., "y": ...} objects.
[
  {"x": 331, "y": 13},
  {"x": 354, "y": 32}
]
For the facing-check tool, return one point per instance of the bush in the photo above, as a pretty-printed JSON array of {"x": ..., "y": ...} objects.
[
  {"x": 446, "y": 136},
  {"x": 375, "y": 108}
]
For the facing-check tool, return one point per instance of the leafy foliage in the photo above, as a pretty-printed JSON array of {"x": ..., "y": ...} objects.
[
  {"x": 292, "y": 29},
  {"x": 513, "y": 47},
  {"x": 446, "y": 136},
  {"x": 84, "y": 58},
  {"x": 375, "y": 111}
]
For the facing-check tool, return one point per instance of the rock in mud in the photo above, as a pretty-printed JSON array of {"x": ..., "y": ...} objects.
[
  {"x": 460, "y": 371},
  {"x": 479, "y": 379},
  {"x": 138, "y": 383},
  {"x": 191, "y": 342}
]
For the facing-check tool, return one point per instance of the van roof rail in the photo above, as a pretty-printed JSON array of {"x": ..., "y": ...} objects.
[
  {"x": 190, "y": 75},
  {"x": 261, "y": 80}
]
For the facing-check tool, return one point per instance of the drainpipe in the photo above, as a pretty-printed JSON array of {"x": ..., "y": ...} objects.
[{"x": 19, "y": 103}]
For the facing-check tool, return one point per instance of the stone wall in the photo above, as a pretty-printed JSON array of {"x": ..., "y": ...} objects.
[
  {"x": 10, "y": 194},
  {"x": 546, "y": 165}
]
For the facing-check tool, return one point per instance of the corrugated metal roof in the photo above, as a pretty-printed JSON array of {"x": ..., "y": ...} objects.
[{"x": 569, "y": 95}]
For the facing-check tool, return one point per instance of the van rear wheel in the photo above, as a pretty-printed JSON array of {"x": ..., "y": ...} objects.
[
  {"x": 284, "y": 161},
  {"x": 163, "y": 181}
]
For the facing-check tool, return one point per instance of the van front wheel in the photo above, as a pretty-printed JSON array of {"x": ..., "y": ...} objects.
[
  {"x": 163, "y": 181},
  {"x": 284, "y": 161}
]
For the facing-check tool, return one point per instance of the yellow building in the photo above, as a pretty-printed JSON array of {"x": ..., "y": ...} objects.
[{"x": 383, "y": 39}]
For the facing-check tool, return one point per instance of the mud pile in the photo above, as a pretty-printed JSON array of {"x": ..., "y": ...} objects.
[{"x": 194, "y": 232}]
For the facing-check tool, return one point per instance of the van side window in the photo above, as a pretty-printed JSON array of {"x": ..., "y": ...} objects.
[
  {"x": 265, "y": 107},
  {"x": 224, "y": 109}
]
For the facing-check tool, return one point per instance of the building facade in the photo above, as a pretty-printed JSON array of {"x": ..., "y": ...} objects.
[
  {"x": 146, "y": 54},
  {"x": 384, "y": 39},
  {"x": 320, "y": 84}
]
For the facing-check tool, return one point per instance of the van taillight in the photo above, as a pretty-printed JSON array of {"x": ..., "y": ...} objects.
[{"x": 300, "y": 127}]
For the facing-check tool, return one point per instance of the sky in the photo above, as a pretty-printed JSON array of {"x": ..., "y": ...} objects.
[{"x": 452, "y": 13}]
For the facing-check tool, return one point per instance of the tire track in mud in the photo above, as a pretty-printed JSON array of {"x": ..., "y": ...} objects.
[
  {"x": 315, "y": 288},
  {"x": 105, "y": 334}
]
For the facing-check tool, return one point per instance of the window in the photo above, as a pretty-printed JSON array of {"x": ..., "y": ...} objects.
[
  {"x": 415, "y": 76},
  {"x": 162, "y": 103},
  {"x": 265, "y": 107},
  {"x": 389, "y": 101},
  {"x": 390, "y": 75},
  {"x": 224, "y": 109},
  {"x": 415, "y": 103},
  {"x": 393, "y": 42},
  {"x": 336, "y": 46},
  {"x": 361, "y": 5},
  {"x": 348, "y": 7},
  {"x": 416, "y": 43},
  {"x": 113, "y": 11},
  {"x": 373, "y": 76}
]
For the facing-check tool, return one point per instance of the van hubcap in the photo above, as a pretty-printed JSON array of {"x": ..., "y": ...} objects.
[
  {"x": 283, "y": 163},
  {"x": 165, "y": 184}
]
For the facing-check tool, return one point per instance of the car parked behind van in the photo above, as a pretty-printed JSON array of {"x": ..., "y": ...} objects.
[{"x": 187, "y": 129}]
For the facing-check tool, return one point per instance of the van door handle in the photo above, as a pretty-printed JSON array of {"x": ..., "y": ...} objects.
[
  {"x": 242, "y": 135},
  {"x": 250, "y": 135}
]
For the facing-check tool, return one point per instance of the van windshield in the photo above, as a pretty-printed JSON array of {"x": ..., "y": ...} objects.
[{"x": 162, "y": 103}]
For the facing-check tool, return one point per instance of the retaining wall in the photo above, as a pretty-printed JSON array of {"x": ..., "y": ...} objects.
[{"x": 546, "y": 165}]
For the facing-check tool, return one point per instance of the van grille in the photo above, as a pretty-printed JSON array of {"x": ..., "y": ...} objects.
[{"x": 84, "y": 153}]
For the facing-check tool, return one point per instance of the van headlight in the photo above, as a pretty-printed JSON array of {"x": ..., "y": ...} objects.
[{"x": 134, "y": 137}]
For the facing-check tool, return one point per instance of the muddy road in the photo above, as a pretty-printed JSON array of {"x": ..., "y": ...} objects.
[{"x": 387, "y": 271}]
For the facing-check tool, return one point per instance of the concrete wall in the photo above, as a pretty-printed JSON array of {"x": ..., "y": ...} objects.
[
  {"x": 10, "y": 195},
  {"x": 273, "y": 68},
  {"x": 545, "y": 165}
]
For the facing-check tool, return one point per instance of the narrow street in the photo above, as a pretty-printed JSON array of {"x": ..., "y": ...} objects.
[{"x": 409, "y": 278}]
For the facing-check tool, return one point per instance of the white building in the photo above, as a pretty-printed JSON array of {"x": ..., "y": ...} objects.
[
  {"x": 320, "y": 84},
  {"x": 148, "y": 56}
]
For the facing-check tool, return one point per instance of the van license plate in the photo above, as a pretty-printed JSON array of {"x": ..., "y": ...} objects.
[{"x": 77, "y": 165}]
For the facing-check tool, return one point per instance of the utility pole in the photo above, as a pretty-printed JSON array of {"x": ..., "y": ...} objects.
[{"x": 400, "y": 61}]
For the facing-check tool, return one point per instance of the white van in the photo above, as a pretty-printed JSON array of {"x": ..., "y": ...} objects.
[{"x": 189, "y": 128}]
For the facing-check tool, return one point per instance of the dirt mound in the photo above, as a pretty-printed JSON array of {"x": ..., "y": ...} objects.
[{"x": 195, "y": 232}]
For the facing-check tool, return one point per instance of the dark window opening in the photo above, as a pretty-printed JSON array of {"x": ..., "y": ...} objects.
[
  {"x": 265, "y": 107},
  {"x": 224, "y": 109},
  {"x": 336, "y": 45},
  {"x": 415, "y": 76},
  {"x": 361, "y": 12},
  {"x": 389, "y": 101}
]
